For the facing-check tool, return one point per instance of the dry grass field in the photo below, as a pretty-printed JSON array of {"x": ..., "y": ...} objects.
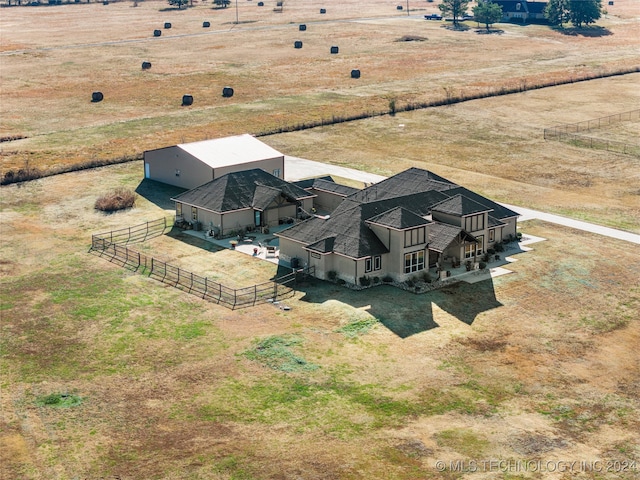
[
  {"x": 538, "y": 365},
  {"x": 54, "y": 58},
  {"x": 105, "y": 373}
]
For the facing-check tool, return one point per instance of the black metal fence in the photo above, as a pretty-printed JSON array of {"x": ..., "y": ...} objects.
[
  {"x": 135, "y": 234},
  {"x": 113, "y": 246},
  {"x": 574, "y": 133}
]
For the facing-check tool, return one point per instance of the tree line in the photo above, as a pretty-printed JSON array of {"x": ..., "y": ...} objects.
[{"x": 557, "y": 12}]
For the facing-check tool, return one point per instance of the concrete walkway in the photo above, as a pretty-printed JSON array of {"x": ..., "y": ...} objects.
[{"x": 299, "y": 168}]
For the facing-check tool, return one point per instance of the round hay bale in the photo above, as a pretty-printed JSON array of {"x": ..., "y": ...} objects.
[
  {"x": 96, "y": 97},
  {"x": 323, "y": 10},
  {"x": 167, "y": 25},
  {"x": 187, "y": 100},
  {"x": 355, "y": 73},
  {"x": 334, "y": 49},
  {"x": 399, "y": 7},
  {"x": 146, "y": 65},
  {"x": 157, "y": 33},
  {"x": 206, "y": 24},
  {"x": 227, "y": 92},
  {"x": 297, "y": 44},
  {"x": 302, "y": 27}
]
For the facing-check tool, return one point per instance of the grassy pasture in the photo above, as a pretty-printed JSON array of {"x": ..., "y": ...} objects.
[
  {"x": 105, "y": 372},
  {"x": 89, "y": 47},
  {"x": 149, "y": 382}
]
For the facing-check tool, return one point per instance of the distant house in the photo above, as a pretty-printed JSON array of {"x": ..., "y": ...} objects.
[
  {"x": 241, "y": 201},
  {"x": 522, "y": 11},
  {"x": 398, "y": 227},
  {"x": 190, "y": 165}
]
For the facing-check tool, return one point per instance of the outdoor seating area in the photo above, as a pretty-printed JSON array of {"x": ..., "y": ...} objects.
[{"x": 258, "y": 244}]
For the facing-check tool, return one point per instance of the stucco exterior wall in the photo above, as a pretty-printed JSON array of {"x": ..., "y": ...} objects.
[
  {"x": 510, "y": 228},
  {"x": 446, "y": 218},
  {"x": 382, "y": 233},
  {"x": 307, "y": 204},
  {"x": 323, "y": 264},
  {"x": 326, "y": 201},
  {"x": 290, "y": 249},
  {"x": 163, "y": 164},
  {"x": 272, "y": 215},
  {"x": 346, "y": 268},
  {"x": 238, "y": 220}
]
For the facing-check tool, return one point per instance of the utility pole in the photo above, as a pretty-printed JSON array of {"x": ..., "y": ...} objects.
[
  {"x": 237, "y": 12},
  {"x": 407, "y": 8}
]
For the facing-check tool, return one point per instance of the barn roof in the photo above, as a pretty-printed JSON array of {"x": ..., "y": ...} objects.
[{"x": 227, "y": 151}]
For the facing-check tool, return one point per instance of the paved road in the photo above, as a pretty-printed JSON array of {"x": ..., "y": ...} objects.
[{"x": 298, "y": 168}]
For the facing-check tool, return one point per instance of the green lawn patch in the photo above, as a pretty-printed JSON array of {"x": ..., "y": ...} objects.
[
  {"x": 59, "y": 400},
  {"x": 276, "y": 352},
  {"x": 358, "y": 327}
]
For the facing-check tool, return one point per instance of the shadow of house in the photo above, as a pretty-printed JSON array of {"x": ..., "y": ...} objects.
[
  {"x": 159, "y": 193},
  {"x": 466, "y": 301},
  {"x": 402, "y": 312}
]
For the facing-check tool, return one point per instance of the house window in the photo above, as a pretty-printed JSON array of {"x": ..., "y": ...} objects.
[
  {"x": 194, "y": 213},
  {"x": 178, "y": 209},
  {"x": 480, "y": 244},
  {"x": 469, "y": 250},
  {"x": 177, "y": 172},
  {"x": 372, "y": 263},
  {"x": 414, "y": 236},
  {"x": 414, "y": 261},
  {"x": 492, "y": 235},
  {"x": 474, "y": 223},
  {"x": 276, "y": 173}
]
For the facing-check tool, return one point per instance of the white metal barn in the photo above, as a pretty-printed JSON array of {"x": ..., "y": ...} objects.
[{"x": 190, "y": 165}]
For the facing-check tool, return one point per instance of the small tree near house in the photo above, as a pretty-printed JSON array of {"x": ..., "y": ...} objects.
[
  {"x": 584, "y": 11},
  {"x": 557, "y": 12},
  {"x": 455, "y": 8},
  {"x": 487, "y": 13},
  {"x": 578, "y": 12}
]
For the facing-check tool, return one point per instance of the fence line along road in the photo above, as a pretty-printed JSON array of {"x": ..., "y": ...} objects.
[{"x": 113, "y": 245}]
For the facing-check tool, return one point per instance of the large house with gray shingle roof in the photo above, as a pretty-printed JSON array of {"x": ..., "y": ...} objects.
[
  {"x": 397, "y": 228},
  {"x": 241, "y": 201}
]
